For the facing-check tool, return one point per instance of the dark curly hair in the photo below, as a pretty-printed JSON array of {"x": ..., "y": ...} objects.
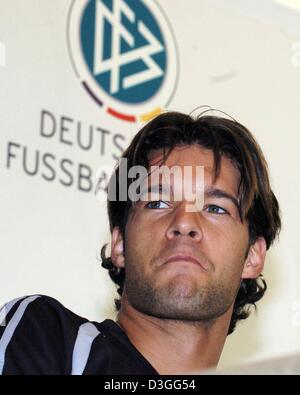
[{"x": 258, "y": 204}]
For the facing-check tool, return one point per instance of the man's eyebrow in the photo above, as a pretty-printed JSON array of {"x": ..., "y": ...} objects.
[
  {"x": 219, "y": 193},
  {"x": 157, "y": 188}
]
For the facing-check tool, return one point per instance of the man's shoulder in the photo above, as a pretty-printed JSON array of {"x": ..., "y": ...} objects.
[
  {"x": 38, "y": 333},
  {"x": 40, "y": 310}
]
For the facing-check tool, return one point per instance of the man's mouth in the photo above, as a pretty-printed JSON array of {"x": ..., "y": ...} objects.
[{"x": 185, "y": 258}]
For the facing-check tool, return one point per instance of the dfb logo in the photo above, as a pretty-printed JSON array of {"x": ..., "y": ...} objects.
[{"x": 125, "y": 55}]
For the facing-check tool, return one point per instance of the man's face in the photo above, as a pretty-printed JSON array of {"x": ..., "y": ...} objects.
[{"x": 162, "y": 239}]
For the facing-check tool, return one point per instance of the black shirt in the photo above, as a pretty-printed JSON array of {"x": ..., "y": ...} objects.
[{"x": 38, "y": 335}]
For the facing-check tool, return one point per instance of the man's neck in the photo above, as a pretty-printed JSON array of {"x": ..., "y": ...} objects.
[{"x": 175, "y": 347}]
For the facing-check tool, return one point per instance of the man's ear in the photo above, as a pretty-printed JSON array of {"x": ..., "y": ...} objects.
[
  {"x": 117, "y": 248},
  {"x": 255, "y": 260}
]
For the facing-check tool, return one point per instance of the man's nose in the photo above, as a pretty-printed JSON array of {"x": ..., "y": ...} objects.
[{"x": 185, "y": 223}]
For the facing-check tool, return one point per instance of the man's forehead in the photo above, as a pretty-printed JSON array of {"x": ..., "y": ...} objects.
[
  {"x": 183, "y": 156},
  {"x": 196, "y": 155}
]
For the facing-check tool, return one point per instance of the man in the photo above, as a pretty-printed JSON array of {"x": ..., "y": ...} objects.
[{"x": 187, "y": 269}]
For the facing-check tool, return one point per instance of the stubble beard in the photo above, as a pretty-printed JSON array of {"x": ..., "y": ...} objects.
[{"x": 180, "y": 298}]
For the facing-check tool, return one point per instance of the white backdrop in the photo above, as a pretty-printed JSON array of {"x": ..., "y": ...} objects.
[{"x": 239, "y": 56}]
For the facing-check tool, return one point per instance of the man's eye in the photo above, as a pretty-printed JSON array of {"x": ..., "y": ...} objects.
[
  {"x": 157, "y": 204},
  {"x": 215, "y": 209}
]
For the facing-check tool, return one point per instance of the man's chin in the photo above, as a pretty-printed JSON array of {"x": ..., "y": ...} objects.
[{"x": 182, "y": 288}]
